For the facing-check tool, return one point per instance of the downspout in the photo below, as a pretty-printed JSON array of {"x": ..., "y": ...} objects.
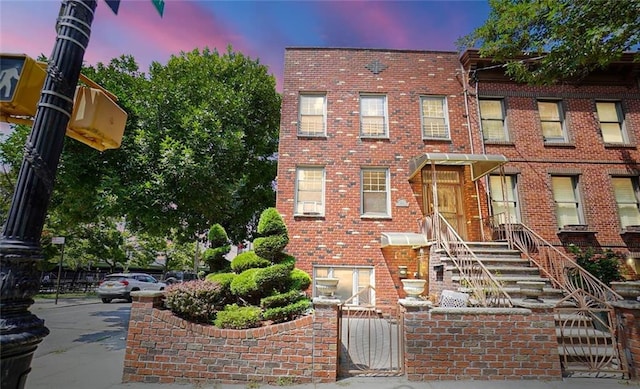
[{"x": 465, "y": 93}]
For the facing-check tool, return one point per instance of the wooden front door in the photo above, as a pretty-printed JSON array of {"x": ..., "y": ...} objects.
[{"x": 450, "y": 205}]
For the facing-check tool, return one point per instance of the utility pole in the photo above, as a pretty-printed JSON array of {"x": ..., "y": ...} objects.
[{"x": 20, "y": 250}]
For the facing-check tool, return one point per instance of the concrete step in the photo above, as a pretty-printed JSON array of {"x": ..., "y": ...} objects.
[{"x": 505, "y": 270}]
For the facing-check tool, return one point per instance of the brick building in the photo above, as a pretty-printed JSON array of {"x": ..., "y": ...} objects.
[{"x": 364, "y": 132}]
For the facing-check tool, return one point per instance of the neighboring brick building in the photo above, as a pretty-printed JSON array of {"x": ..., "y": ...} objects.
[{"x": 362, "y": 129}]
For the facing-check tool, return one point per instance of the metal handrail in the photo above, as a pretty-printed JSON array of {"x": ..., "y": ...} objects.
[
  {"x": 563, "y": 272},
  {"x": 487, "y": 291}
]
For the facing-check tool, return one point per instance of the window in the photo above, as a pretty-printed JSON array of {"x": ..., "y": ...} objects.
[
  {"x": 492, "y": 120},
  {"x": 312, "y": 121},
  {"x": 626, "y": 192},
  {"x": 552, "y": 121},
  {"x": 567, "y": 199},
  {"x": 375, "y": 192},
  {"x": 310, "y": 191},
  {"x": 611, "y": 122},
  {"x": 352, "y": 280},
  {"x": 373, "y": 116},
  {"x": 504, "y": 200},
  {"x": 435, "y": 123}
]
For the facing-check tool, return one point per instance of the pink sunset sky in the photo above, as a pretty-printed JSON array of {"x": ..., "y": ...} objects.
[{"x": 259, "y": 29}]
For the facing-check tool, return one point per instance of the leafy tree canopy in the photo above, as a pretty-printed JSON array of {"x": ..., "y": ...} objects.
[
  {"x": 560, "y": 39},
  {"x": 198, "y": 147}
]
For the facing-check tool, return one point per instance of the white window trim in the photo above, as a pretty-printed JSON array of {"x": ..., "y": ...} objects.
[
  {"x": 635, "y": 183},
  {"x": 505, "y": 131},
  {"x": 373, "y": 215},
  {"x": 324, "y": 204},
  {"x": 562, "y": 118},
  {"x": 514, "y": 188},
  {"x": 621, "y": 121},
  {"x": 385, "y": 135},
  {"x": 575, "y": 181},
  {"x": 324, "y": 115},
  {"x": 445, "y": 109}
]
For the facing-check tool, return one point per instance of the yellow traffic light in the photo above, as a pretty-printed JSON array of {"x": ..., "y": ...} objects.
[
  {"x": 21, "y": 81},
  {"x": 97, "y": 120}
]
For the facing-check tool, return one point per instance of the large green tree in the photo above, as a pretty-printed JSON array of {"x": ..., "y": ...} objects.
[
  {"x": 198, "y": 147},
  {"x": 544, "y": 41}
]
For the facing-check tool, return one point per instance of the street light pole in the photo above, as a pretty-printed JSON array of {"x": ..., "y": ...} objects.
[{"x": 20, "y": 251}]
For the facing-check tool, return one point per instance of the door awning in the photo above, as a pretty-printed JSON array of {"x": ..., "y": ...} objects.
[
  {"x": 481, "y": 164},
  {"x": 403, "y": 239}
]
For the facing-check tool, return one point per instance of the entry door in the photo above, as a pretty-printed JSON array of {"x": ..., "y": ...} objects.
[{"x": 449, "y": 196}]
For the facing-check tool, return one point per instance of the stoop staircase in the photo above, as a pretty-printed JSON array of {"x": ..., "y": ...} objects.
[{"x": 586, "y": 344}]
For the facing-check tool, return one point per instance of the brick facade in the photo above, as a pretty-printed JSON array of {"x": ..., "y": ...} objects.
[
  {"x": 341, "y": 237},
  {"x": 481, "y": 344}
]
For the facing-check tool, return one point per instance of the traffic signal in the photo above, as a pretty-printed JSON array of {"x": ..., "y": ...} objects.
[
  {"x": 97, "y": 120},
  {"x": 21, "y": 80}
]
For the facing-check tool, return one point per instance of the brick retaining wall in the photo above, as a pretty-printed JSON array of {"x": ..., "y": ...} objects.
[
  {"x": 162, "y": 348},
  {"x": 480, "y": 344}
]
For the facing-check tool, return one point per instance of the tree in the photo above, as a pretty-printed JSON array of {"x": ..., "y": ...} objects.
[
  {"x": 215, "y": 255},
  {"x": 548, "y": 41}
]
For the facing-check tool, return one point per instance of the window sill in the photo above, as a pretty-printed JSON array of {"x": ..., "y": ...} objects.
[
  {"x": 619, "y": 145},
  {"x": 631, "y": 231},
  {"x": 447, "y": 140},
  {"x": 366, "y": 216},
  {"x": 309, "y": 215},
  {"x": 498, "y": 142},
  {"x": 559, "y": 144},
  {"x": 309, "y": 136},
  {"x": 374, "y": 138},
  {"x": 576, "y": 229}
]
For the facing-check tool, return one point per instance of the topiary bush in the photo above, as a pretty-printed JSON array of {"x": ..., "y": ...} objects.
[
  {"x": 198, "y": 301},
  {"x": 219, "y": 241},
  {"x": 236, "y": 317},
  {"x": 281, "y": 299},
  {"x": 287, "y": 312},
  {"x": 244, "y": 286},
  {"x": 273, "y": 278},
  {"x": 299, "y": 280},
  {"x": 270, "y": 247},
  {"x": 224, "y": 280},
  {"x": 248, "y": 260},
  {"x": 271, "y": 223}
]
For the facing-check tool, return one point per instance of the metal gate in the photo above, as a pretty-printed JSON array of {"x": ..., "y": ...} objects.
[{"x": 372, "y": 342}]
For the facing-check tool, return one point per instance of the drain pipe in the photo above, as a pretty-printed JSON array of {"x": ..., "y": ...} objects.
[{"x": 465, "y": 93}]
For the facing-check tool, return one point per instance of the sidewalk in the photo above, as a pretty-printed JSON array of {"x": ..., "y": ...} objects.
[{"x": 64, "y": 363}]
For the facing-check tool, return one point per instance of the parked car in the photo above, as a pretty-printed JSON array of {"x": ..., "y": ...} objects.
[
  {"x": 177, "y": 276},
  {"x": 120, "y": 285}
]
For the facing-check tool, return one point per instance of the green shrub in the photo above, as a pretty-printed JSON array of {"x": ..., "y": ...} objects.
[
  {"x": 238, "y": 318},
  {"x": 288, "y": 312},
  {"x": 224, "y": 280},
  {"x": 244, "y": 284},
  {"x": 270, "y": 247},
  {"x": 217, "y": 236},
  {"x": 605, "y": 266},
  {"x": 271, "y": 223},
  {"x": 248, "y": 260},
  {"x": 274, "y": 277},
  {"x": 281, "y": 299},
  {"x": 215, "y": 258},
  {"x": 194, "y": 300},
  {"x": 299, "y": 280}
]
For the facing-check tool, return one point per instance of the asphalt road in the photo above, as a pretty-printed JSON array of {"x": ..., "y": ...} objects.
[{"x": 86, "y": 346}]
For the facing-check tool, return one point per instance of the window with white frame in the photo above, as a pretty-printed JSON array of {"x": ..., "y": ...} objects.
[
  {"x": 309, "y": 191},
  {"x": 354, "y": 282},
  {"x": 611, "y": 122},
  {"x": 435, "y": 121},
  {"x": 504, "y": 198},
  {"x": 626, "y": 193},
  {"x": 313, "y": 115},
  {"x": 552, "y": 121},
  {"x": 567, "y": 200},
  {"x": 375, "y": 192},
  {"x": 492, "y": 118},
  {"x": 373, "y": 116}
]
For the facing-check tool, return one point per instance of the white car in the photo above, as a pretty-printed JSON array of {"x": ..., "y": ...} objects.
[{"x": 120, "y": 285}]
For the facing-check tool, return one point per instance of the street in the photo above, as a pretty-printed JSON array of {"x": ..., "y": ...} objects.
[{"x": 83, "y": 331}]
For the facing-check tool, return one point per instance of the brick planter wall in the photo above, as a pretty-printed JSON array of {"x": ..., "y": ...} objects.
[
  {"x": 162, "y": 348},
  {"x": 480, "y": 344}
]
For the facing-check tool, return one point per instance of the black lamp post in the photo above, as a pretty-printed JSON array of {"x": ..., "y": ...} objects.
[{"x": 20, "y": 251}]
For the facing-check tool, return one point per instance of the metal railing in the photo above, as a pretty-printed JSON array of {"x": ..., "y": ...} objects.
[
  {"x": 585, "y": 318},
  {"x": 486, "y": 290},
  {"x": 563, "y": 272}
]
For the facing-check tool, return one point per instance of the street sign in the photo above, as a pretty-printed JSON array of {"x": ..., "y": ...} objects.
[
  {"x": 57, "y": 240},
  {"x": 159, "y": 4},
  {"x": 114, "y": 5}
]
